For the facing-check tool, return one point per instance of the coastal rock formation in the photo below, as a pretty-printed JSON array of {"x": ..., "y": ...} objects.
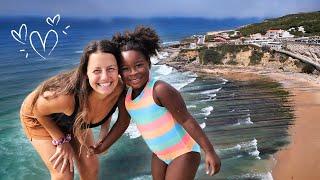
[
  {"x": 309, "y": 50},
  {"x": 246, "y": 56}
]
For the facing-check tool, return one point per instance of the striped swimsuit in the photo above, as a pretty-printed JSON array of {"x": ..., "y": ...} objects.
[{"x": 162, "y": 133}]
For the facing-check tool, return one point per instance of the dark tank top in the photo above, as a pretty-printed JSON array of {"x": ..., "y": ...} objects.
[{"x": 65, "y": 122}]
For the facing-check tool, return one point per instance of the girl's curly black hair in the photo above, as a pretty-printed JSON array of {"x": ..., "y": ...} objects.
[{"x": 142, "y": 39}]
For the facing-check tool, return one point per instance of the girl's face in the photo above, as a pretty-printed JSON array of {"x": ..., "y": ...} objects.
[
  {"x": 134, "y": 69},
  {"x": 102, "y": 72}
]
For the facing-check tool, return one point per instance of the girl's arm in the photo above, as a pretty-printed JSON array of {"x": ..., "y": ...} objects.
[
  {"x": 116, "y": 131},
  {"x": 104, "y": 129},
  {"x": 167, "y": 96},
  {"x": 42, "y": 110}
]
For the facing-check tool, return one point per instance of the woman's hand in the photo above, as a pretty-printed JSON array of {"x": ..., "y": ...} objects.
[
  {"x": 213, "y": 163},
  {"x": 64, "y": 154}
]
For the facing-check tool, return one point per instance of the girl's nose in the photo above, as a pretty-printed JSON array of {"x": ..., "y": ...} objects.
[{"x": 133, "y": 71}]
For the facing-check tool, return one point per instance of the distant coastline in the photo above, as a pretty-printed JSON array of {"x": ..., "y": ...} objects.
[{"x": 305, "y": 88}]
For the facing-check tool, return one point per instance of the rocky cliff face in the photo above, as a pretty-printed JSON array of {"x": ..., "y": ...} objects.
[
  {"x": 309, "y": 50},
  {"x": 249, "y": 56}
]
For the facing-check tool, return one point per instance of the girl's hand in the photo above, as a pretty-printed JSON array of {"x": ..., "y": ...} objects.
[
  {"x": 64, "y": 154},
  {"x": 96, "y": 148},
  {"x": 213, "y": 163},
  {"x": 97, "y": 145},
  {"x": 102, "y": 135}
]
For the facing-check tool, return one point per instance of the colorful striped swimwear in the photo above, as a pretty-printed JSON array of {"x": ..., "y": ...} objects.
[{"x": 162, "y": 133}]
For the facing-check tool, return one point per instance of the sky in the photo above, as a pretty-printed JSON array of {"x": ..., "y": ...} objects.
[{"x": 158, "y": 8}]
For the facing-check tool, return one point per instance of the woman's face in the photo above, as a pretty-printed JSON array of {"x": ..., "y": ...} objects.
[
  {"x": 134, "y": 69},
  {"x": 102, "y": 72}
]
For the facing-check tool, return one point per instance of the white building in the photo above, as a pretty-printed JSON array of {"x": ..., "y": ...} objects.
[
  {"x": 274, "y": 33},
  {"x": 192, "y": 46},
  {"x": 200, "y": 40},
  {"x": 279, "y": 33},
  {"x": 235, "y": 33},
  {"x": 257, "y": 36},
  {"x": 301, "y": 28},
  {"x": 286, "y": 34},
  {"x": 273, "y": 45}
]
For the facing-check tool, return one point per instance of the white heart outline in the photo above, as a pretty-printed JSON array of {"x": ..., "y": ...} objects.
[
  {"x": 43, "y": 43},
  {"x": 52, "y": 21},
  {"x": 14, "y": 33}
]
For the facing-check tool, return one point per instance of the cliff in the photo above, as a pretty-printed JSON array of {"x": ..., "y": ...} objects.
[{"x": 244, "y": 56}]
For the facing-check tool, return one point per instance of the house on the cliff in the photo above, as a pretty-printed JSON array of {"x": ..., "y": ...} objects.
[{"x": 278, "y": 34}]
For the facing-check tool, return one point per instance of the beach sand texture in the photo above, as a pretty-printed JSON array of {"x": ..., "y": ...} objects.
[{"x": 301, "y": 159}]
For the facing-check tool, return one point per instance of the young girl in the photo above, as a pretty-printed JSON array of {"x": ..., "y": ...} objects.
[
  {"x": 160, "y": 113},
  {"x": 58, "y": 115}
]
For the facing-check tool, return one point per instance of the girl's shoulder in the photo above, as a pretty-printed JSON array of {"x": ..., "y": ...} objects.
[
  {"x": 161, "y": 86},
  {"x": 163, "y": 91}
]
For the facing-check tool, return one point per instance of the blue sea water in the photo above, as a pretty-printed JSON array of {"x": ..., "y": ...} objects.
[{"x": 247, "y": 121}]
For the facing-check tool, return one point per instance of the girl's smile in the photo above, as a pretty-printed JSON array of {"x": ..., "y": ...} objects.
[{"x": 134, "y": 69}]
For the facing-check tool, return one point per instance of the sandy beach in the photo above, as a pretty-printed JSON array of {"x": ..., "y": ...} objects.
[{"x": 300, "y": 159}]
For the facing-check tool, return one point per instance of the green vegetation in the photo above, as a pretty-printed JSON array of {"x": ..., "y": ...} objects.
[
  {"x": 233, "y": 49},
  {"x": 255, "y": 57},
  {"x": 232, "y": 62},
  {"x": 283, "y": 58},
  {"x": 210, "y": 56},
  {"x": 310, "y": 22},
  {"x": 215, "y": 55},
  {"x": 307, "y": 68}
]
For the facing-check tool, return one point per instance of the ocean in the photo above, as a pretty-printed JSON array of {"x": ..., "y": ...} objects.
[{"x": 247, "y": 121}]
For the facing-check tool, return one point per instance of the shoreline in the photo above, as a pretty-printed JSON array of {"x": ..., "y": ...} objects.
[{"x": 298, "y": 159}]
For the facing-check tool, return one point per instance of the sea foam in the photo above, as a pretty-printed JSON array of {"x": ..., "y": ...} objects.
[
  {"x": 132, "y": 131},
  {"x": 164, "y": 70},
  {"x": 207, "y": 110}
]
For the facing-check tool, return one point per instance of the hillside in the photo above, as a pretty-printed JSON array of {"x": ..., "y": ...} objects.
[{"x": 310, "y": 22}]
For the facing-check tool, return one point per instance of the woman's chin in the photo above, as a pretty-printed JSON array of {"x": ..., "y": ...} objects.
[{"x": 104, "y": 92}]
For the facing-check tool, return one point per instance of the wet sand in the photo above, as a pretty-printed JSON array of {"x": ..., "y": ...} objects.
[{"x": 300, "y": 159}]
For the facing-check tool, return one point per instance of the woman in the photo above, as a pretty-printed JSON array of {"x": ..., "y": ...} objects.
[{"x": 58, "y": 114}]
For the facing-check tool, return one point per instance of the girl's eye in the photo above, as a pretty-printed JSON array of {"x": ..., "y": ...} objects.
[
  {"x": 139, "y": 65},
  {"x": 124, "y": 69}
]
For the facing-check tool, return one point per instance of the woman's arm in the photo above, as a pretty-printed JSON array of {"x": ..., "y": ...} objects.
[
  {"x": 167, "y": 96},
  {"x": 42, "y": 111}
]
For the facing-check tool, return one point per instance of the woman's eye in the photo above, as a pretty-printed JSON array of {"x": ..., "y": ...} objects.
[
  {"x": 97, "y": 71},
  {"x": 110, "y": 70}
]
